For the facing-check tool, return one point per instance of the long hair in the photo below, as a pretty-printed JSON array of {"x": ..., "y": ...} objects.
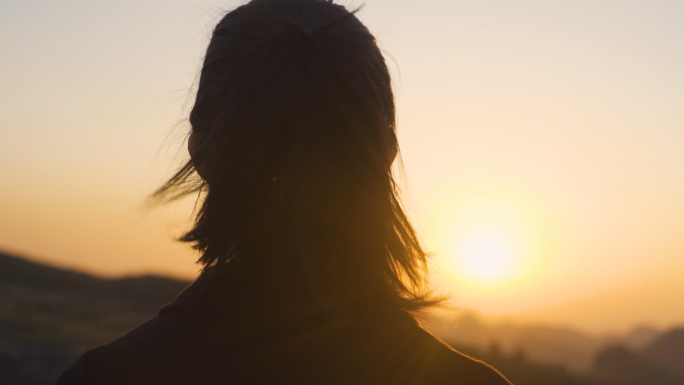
[{"x": 296, "y": 124}]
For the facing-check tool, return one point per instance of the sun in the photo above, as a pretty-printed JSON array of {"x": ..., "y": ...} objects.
[
  {"x": 486, "y": 257},
  {"x": 488, "y": 244}
]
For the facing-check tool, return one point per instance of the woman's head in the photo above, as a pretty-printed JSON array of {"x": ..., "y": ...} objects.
[{"x": 293, "y": 133}]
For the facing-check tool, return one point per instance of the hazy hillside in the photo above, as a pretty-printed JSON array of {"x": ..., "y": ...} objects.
[
  {"x": 660, "y": 362},
  {"x": 639, "y": 337},
  {"x": 641, "y": 356},
  {"x": 619, "y": 365},
  {"x": 543, "y": 344},
  {"x": 668, "y": 351},
  {"x": 550, "y": 345}
]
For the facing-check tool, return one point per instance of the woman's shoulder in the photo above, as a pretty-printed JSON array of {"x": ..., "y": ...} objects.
[
  {"x": 187, "y": 343},
  {"x": 178, "y": 348},
  {"x": 151, "y": 345},
  {"x": 435, "y": 362}
]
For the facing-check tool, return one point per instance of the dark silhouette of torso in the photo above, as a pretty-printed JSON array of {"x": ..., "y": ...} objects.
[{"x": 223, "y": 330}]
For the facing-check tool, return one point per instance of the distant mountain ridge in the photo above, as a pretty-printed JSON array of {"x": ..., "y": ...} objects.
[
  {"x": 668, "y": 351},
  {"x": 15, "y": 270},
  {"x": 619, "y": 365},
  {"x": 551, "y": 345},
  {"x": 642, "y": 356},
  {"x": 660, "y": 362},
  {"x": 545, "y": 344}
]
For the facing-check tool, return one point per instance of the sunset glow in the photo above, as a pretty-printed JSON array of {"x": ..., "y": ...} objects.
[{"x": 542, "y": 146}]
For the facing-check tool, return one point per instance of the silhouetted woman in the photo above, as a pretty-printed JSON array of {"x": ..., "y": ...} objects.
[{"x": 311, "y": 268}]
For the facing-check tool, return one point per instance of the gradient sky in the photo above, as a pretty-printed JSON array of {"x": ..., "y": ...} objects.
[{"x": 556, "y": 125}]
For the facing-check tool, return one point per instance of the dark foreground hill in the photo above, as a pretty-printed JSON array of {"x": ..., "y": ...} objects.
[{"x": 50, "y": 316}]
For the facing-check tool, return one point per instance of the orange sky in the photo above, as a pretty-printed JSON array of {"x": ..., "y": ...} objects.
[{"x": 556, "y": 126}]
